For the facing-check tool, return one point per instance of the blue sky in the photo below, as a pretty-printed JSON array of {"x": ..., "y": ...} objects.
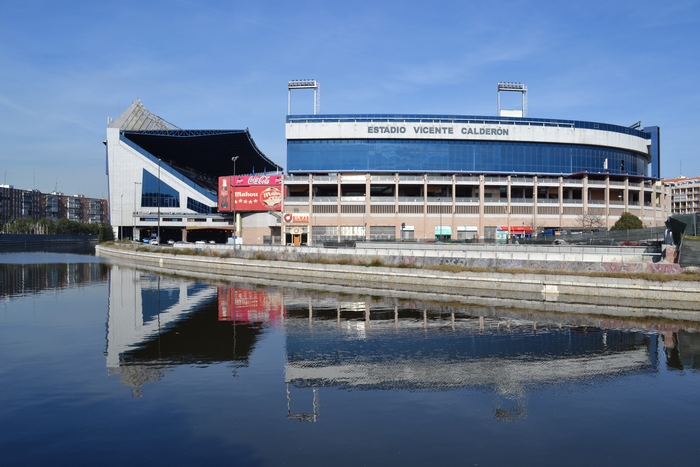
[{"x": 68, "y": 65}]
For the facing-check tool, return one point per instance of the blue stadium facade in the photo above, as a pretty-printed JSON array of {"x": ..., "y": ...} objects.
[
  {"x": 472, "y": 144},
  {"x": 439, "y": 177}
]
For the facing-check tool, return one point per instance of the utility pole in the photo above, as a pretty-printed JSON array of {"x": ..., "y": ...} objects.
[{"x": 158, "y": 236}]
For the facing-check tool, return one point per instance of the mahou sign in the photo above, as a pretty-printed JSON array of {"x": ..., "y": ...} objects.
[{"x": 252, "y": 193}]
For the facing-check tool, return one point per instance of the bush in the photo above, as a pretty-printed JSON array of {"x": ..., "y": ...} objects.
[{"x": 628, "y": 221}]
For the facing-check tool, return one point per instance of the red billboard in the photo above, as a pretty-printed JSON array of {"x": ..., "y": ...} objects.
[
  {"x": 249, "y": 306},
  {"x": 252, "y": 193},
  {"x": 257, "y": 180}
]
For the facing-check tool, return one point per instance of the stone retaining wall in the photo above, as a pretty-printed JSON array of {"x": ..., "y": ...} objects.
[
  {"x": 551, "y": 258},
  {"x": 675, "y": 299}
]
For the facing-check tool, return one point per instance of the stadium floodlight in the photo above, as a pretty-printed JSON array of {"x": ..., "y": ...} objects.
[
  {"x": 304, "y": 84},
  {"x": 513, "y": 87}
]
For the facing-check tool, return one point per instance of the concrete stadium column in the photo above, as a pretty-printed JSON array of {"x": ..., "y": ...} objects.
[
  {"x": 368, "y": 206},
  {"x": 397, "y": 217},
  {"x": 452, "y": 217},
  {"x": 561, "y": 202},
  {"x": 653, "y": 205},
  {"x": 584, "y": 194},
  {"x": 184, "y": 234},
  {"x": 642, "y": 196},
  {"x": 627, "y": 194},
  {"x": 607, "y": 201},
  {"x": 425, "y": 207},
  {"x": 509, "y": 208},
  {"x": 535, "y": 180},
  {"x": 339, "y": 192},
  {"x": 312, "y": 219},
  {"x": 481, "y": 207}
]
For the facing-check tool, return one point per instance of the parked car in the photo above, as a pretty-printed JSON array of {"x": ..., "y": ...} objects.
[
  {"x": 171, "y": 242},
  {"x": 154, "y": 242}
]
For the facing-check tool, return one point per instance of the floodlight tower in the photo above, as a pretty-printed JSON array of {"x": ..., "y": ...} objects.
[
  {"x": 512, "y": 87},
  {"x": 304, "y": 84}
]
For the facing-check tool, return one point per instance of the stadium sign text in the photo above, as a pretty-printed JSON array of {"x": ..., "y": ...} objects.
[{"x": 436, "y": 130}]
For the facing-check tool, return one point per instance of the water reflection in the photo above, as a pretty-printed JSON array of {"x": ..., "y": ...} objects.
[
  {"x": 26, "y": 279},
  {"x": 158, "y": 322},
  {"x": 155, "y": 323},
  {"x": 430, "y": 350}
]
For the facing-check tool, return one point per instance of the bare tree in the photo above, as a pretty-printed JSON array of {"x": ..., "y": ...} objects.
[{"x": 590, "y": 222}]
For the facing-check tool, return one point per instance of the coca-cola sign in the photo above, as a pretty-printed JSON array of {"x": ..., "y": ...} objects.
[{"x": 258, "y": 180}]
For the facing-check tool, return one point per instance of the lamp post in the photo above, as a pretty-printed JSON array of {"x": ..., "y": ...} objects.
[
  {"x": 138, "y": 199},
  {"x": 235, "y": 220},
  {"x": 508, "y": 214},
  {"x": 158, "y": 236}
]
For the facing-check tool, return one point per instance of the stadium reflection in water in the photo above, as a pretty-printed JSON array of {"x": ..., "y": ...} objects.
[
  {"x": 157, "y": 323},
  {"x": 18, "y": 279}
]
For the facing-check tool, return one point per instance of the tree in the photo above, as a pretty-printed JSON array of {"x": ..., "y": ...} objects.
[
  {"x": 590, "y": 222},
  {"x": 628, "y": 221},
  {"x": 47, "y": 226},
  {"x": 106, "y": 233},
  {"x": 23, "y": 225}
]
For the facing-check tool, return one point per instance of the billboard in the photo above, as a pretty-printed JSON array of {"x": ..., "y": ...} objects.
[
  {"x": 260, "y": 197},
  {"x": 250, "y": 306},
  {"x": 257, "y": 180}
]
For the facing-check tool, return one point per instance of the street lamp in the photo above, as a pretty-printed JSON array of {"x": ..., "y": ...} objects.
[
  {"x": 158, "y": 236},
  {"x": 235, "y": 221}
]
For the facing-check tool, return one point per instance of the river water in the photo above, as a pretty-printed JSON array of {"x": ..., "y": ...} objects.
[{"x": 106, "y": 364}]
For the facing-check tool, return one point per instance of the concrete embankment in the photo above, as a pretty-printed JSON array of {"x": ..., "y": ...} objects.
[
  {"x": 84, "y": 244},
  {"x": 599, "y": 295}
]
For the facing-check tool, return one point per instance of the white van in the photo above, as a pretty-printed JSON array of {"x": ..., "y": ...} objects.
[{"x": 234, "y": 241}]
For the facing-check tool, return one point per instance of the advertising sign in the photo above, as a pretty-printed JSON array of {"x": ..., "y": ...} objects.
[
  {"x": 256, "y": 198},
  {"x": 295, "y": 218},
  {"x": 252, "y": 192},
  {"x": 249, "y": 306},
  {"x": 257, "y": 180},
  {"x": 224, "y": 196}
]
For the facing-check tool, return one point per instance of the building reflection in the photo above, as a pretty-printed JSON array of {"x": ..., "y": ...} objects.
[
  {"x": 357, "y": 345},
  {"x": 27, "y": 279},
  {"x": 682, "y": 350},
  {"x": 156, "y": 323}
]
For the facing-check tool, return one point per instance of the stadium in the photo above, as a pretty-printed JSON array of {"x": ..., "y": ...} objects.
[
  {"x": 163, "y": 179},
  {"x": 381, "y": 177},
  {"x": 453, "y": 177}
]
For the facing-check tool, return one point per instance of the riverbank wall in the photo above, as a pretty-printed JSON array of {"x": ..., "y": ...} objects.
[
  {"x": 80, "y": 244},
  {"x": 600, "y": 295}
]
